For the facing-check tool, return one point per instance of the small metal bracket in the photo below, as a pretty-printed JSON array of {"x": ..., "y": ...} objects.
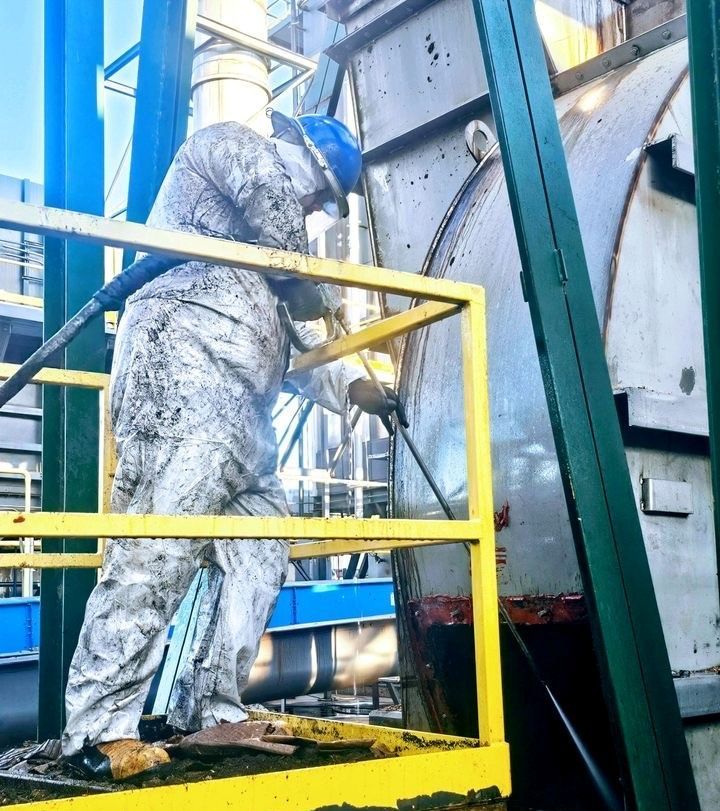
[
  {"x": 479, "y": 139},
  {"x": 665, "y": 497},
  {"x": 675, "y": 152},
  {"x": 674, "y": 163}
]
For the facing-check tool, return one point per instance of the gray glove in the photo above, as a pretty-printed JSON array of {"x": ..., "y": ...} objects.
[{"x": 367, "y": 397}]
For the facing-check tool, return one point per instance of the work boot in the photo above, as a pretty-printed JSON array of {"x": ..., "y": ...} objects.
[{"x": 119, "y": 760}]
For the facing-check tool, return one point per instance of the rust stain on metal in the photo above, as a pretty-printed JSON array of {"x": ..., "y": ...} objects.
[
  {"x": 19, "y": 519},
  {"x": 439, "y": 609},
  {"x": 546, "y": 609},
  {"x": 442, "y": 647},
  {"x": 531, "y": 609},
  {"x": 502, "y": 517}
]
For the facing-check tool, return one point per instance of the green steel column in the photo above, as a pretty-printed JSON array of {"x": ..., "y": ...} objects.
[
  {"x": 73, "y": 272},
  {"x": 162, "y": 99},
  {"x": 603, "y": 514},
  {"x": 704, "y": 44}
]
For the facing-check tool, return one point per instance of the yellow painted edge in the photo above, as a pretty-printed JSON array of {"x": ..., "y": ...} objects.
[
  {"x": 119, "y": 234},
  {"x": 61, "y": 377},
  {"x": 299, "y": 551},
  {"x": 398, "y": 741},
  {"x": 52, "y": 560},
  {"x": 109, "y": 454},
  {"x": 382, "y": 783},
  {"x": 17, "y": 298},
  {"x": 116, "y": 525},
  {"x": 318, "y": 549},
  {"x": 380, "y": 331},
  {"x": 483, "y": 572}
]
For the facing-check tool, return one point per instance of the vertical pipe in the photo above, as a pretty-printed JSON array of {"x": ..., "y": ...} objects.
[
  {"x": 229, "y": 83},
  {"x": 74, "y": 179},
  {"x": 163, "y": 100},
  {"x": 704, "y": 43}
]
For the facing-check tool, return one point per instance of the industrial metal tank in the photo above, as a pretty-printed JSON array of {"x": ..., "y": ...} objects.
[{"x": 627, "y": 135}]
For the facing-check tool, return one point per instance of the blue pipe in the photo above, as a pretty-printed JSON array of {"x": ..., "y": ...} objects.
[{"x": 300, "y": 604}]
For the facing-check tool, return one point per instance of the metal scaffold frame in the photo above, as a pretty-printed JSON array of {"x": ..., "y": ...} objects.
[
  {"x": 435, "y": 769},
  {"x": 74, "y": 178}
]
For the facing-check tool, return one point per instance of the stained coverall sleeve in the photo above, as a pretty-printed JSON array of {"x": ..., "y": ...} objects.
[
  {"x": 252, "y": 176},
  {"x": 327, "y": 385}
]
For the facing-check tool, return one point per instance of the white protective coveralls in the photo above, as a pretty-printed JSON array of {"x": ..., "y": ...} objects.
[{"x": 200, "y": 358}]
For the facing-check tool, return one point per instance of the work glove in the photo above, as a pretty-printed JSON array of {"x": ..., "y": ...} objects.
[
  {"x": 367, "y": 397},
  {"x": 302, "y": 297}
]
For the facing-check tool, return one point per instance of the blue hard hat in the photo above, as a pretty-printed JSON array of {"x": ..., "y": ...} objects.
[{"x": 332, "y": 145}]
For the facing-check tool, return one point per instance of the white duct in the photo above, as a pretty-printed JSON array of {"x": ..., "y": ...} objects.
[{"x": 229, "y": 83}]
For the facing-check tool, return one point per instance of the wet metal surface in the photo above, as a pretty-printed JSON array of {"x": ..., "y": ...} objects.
[
  {"x": 605, "y": 126},
  {"x": 443, "y": 654}
]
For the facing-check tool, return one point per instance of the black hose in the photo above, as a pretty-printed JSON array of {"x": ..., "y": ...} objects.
[{"x": 109, "y": 297}]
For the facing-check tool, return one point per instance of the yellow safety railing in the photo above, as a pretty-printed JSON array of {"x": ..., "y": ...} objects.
[{"x": 486, "y": 766}]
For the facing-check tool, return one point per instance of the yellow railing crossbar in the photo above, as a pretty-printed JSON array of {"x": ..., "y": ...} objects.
[
  {"x": 61, "y": 377},
  {"x": 196, "y": 247},
  {"x": 384, "y": 330},
  {"x": 298, "y": 551},
  {"x": 127, "y": 525}
]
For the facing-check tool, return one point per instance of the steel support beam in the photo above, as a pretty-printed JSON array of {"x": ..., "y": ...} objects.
[
  {"x": 74, "y": 179},
  {"x": 163, "y": 99},
  {"x": 259, "y": 46},
  {"x": 124, "y": 59},
  {"x": 704, "y": 43},
  {"x": 323, "y": 94},
  {"x": 606, "y": 529}
]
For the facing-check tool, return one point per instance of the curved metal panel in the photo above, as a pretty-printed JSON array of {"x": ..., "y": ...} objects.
[{"x": 605, "y": 126}]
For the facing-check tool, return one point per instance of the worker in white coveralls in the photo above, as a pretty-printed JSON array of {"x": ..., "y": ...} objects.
[{"x": 200, "y": 357}]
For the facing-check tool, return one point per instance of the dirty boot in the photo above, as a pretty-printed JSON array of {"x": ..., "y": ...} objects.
[{"x": 119, "y": 760}]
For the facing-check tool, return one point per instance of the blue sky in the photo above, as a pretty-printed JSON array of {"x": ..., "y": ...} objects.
[{"x": 21, "y": 101}]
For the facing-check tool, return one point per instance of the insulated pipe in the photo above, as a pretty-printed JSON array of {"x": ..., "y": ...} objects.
[
  {"x": 323, "y": 657},
  {"x": 230, "y": 83}
]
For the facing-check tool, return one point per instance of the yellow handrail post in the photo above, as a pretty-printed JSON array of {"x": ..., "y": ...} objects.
[{"x": 483, "y": 574}]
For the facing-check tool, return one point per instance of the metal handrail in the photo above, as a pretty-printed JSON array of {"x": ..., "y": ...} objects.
[{"x": 308, "y": 537}]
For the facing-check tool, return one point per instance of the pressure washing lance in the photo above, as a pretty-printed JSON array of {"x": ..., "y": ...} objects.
[
  {"x": 602, "y": 785},
  {"x": 299, "y": 298}
]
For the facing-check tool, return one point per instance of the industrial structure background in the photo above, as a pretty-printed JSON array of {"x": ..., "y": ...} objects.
[{"x": 605, "y": 533}]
